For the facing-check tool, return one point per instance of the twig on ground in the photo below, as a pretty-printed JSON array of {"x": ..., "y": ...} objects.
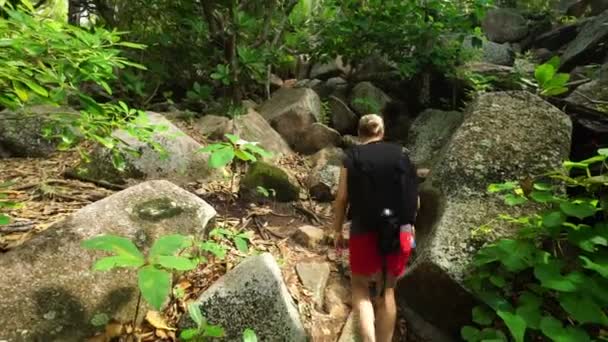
[
  {"x": 308, "y": 213},
  {"x": 17, "y": 227},
  {"x": 71, "y": 174}
]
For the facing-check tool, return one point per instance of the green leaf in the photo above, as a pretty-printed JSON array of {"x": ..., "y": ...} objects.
[
  {"x": 482, "y": 315},
  {"x": 599, "y": 264},
  {"x": 195, "y": 313},
  {"x": 493, "y": 335},
  {"x": 20, "y": 90},
  {"x": 550, "y": 277},
  {"x": 513, "y": 200},
  {"x": 90, "y": 105},
  {"x": 498, "y": 280},
  {"x": 249, "y": 336},
  {"x": 155, "y": 285},
  {"x": 595, "y": 159},
  {"x": 470, "y": 334},
  {"x": 221, "y": 157},
  {"x": 115, "y": 244},
  {"x": 589, "y": 239},
  {"x": 543, "y": 186},
  {"x": 36, "y": 88},
  {"x": 212, "y": 148},
  {"x": 603, "y": 151},
  {"x": 213, "y": 331},
  {"x": 170, "y": 244},
  {"x": 232, "y": 138},
  {"x": 188, "y": 334},
  {"x": 108, "y": 263},
  {"x": 4, "y": 219},
  {"x": 553, "y": 219},
  {"x": 553, "y": 329},
  {"x": 579, "y": 210},
  {"x": 574, "y": 165},
  {"x": 544, "y": 73},
  {"x": 132, "y": 45},
  {"x": 542, "y": 196},
  {"x": 241, "y": 244},
  {"x": 529, "y": 309},
  {"x": 214, "y": 248},
  {"x": 516, "y": 324},
  {"x": 176, "y": 262},
  {"x": 582, "y": 308},
  {"x": 245, "y": 156}
]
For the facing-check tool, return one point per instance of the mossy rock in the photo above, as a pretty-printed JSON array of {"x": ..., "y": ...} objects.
[{"x": 270, "y": 177}]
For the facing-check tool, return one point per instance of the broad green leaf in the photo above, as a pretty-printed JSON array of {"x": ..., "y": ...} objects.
[
  {"x": 529, "y": 309},
  {"x": 516, "y": 324},
  {"x": 599, "y": 264},
  {"x": 188, "y": 334},
  {"x": 513, "y": 200},
  {"x": 195, "y": 313},
  {"x": 550, "y": 277},
  {"x": 589, "y": 239},
  {"x": 491, "y": 334},
  {"x": 553, "y": 219},
  {"x": 245, "y": 156},
  {"x": 482, "y": 315},
  {"x": 155, "y": 285},
  {"x": 603, "y": 151},
  {"x": 542, "y": 196},
  {"x": 214, "y": 248},
  {"x": 582, "y": 308},
  {"x": 544, "y": 73},
  {"x": 498, "y": 280},
  {"x": 115, "y": 244},
  {"x": 543, "y": 186},
  {"x": 170, "y": 244},
  {"x": 212, "y": 148},
  {"x": 108, "y": 263},
  {"x": 232, "y": 138},
  {"x": 4, "y": 219},
  {"x": 176, "y": 262},
  {"x": 470, "y": 334},
  {"x": 221, "y": 157},
  {"x": 553, "y": 329},
  {"x": 213, "y": 331},
  {"x": 249, "y": 336},
  {"x": 36, "y": 88},
  {"x": 579, "y": 210},
  {"x": 241, "y": 244}
]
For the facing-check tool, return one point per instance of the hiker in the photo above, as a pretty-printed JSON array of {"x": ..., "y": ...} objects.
[{"x": 378, "y": 186}]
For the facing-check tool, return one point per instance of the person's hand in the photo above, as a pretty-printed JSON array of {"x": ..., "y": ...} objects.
[{"x": 338, "y": 239}]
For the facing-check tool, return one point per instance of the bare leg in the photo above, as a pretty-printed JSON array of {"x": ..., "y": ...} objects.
[
  {"x": 363, "y": 308},
  {"x": 386, "y": 313}
]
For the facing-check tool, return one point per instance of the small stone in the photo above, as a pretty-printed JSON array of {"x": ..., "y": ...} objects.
[
  {"x": 309, "y": 236},
  {"x": 314, "y": 277},
  {"x": 50, "y": 315}
]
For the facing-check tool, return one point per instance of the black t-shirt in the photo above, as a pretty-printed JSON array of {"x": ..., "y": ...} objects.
[{"x": 380, "y": 153}]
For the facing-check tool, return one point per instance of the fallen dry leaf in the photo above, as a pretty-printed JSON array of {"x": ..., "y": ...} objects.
[{"x": 156, "y": 320}]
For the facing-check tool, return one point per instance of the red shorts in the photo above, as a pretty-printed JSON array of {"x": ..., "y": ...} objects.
[{"x": 365, "y": 259}]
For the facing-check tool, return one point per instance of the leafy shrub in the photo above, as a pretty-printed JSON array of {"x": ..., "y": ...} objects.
[
  {"x": 549, "y": 82},
  {"x": 50, "y": 62},
  {"x": 240, "y": 239},
  {"x": 418, "y": 35},
  {"x": 550, "y": 282},
  {"x": 223, "y": 153}
]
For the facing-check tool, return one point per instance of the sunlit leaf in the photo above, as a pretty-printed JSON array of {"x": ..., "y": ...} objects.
[
  {"x": 169, "y": 245},
  {"x": 249, "y": 336},
  {"x": 108, "y": 263},
  {"x": 155, "y": 285},
  {"x": 195, "y": 313},
  {"x": 115, "y": 244},
  {"x": 516, "y": 324},
  {"x": 176, "y": 262}
]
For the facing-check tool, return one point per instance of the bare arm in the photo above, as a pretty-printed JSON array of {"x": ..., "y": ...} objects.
[{"x": 340, "y": 204}]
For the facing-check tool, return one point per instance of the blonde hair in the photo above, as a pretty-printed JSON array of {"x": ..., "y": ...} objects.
[{"x": 371, "y": 125}]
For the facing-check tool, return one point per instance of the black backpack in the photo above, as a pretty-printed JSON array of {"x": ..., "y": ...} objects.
[{"x": 382, "y": 192}]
